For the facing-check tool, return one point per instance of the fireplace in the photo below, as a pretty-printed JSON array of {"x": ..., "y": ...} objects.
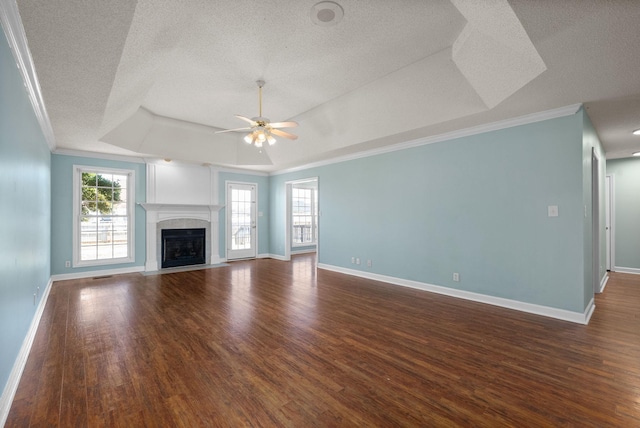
[{"x": 183, "y": 247}]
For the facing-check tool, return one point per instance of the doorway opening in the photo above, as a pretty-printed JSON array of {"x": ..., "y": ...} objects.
[{"x": 302, "y": 217}]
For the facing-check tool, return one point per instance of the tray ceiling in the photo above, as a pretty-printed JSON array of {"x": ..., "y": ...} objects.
[{"x": 157, "y": 78}]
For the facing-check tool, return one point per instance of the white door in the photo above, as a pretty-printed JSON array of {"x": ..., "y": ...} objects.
[{"x": 241, "y": 221}]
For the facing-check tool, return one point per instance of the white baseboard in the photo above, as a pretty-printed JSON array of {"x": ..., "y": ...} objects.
[
  {"x": 21, "y": 361},
  {"x": 635, "y": 271},
  {"x": 603, "y": 282},
  {"x": 310, "y": 250},
  {"x": 277, "y": 257},
  {"x": 547, "y": 311},
  {"x": 95, "y": 273}
]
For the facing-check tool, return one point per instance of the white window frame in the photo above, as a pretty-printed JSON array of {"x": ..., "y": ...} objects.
[
  {"x": 314, "y": 216},
  {"x": 77, "y": 214}
]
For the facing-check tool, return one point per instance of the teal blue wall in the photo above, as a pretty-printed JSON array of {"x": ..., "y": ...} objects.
[
  {"x": 262, "y": 182},
  {"x": 62, "y": 212},
  {"x": 25, "y": 216},
  {"x": 626, "y": 173},
  {"x": 475, "y": 205}
]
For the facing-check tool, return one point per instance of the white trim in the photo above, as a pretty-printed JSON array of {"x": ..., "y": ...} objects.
[
  {"x": 96, "y": 155},
  {"x": 304, "y": 244},
  {"x": 173, "y": 211},
  {"x": 623, "y": 269},
  {"x": 311, "y": 250},
  {"x": 588, "y": 312},
  {"x": 241, "y": 171},
  {"x": 612, "y": 219},
  {"x": 561, "y": 314},
  {"x": 131, "y": 245},
  {"x": 596, "y": 203},
  {"x": 288, "y": 191},
  {"x": 14, "y": 31},
  {"x": 11, "y": 387},
  {"x": 96, "y": 273},
  {"x": 474, "y": 130},
  {"x": 277, "y": 257},
  {"x": 603, "y": 282}
]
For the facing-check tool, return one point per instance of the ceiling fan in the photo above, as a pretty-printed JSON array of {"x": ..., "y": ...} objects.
[{"x": 261, "y": 129}]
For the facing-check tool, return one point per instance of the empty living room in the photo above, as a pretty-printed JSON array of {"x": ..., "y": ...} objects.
[{"x": 319, "y": 213}]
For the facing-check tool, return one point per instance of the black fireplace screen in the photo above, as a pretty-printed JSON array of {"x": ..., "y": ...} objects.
[{"x": 183, "y": 247}]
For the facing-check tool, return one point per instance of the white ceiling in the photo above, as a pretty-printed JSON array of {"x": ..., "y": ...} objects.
[{"x": 157, "y": 78}]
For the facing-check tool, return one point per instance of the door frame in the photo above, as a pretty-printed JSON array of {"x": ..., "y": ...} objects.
[
  {"x": 254, "y": 219},
  {"x": 288, "y": 211},
  {"x": 595, "y": 220},
  {"x": 610, "y": 220}
]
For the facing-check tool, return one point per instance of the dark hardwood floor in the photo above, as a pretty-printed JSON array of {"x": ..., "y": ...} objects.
[{"x": 270, "y": 343}]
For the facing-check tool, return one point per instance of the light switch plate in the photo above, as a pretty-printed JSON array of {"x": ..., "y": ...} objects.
[{"x": 552, "y": 210}]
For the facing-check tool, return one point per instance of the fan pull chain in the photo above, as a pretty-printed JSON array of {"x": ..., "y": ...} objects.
[{"x": 260, "y": 84}]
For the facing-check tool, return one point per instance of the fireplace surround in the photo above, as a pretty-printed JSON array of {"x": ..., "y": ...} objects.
[{"x": 180, "y": 216}]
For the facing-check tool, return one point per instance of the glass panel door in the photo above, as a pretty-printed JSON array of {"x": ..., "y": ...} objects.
[{"x": 241, "y": 221}]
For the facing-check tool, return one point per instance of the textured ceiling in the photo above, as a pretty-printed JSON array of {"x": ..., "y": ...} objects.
[{"x": 157, "y": 77}]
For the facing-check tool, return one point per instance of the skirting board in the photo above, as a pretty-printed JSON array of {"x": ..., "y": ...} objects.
[
  {"x": 21, "y": 361},
  {"x": 561, "y": 314},
  {"x": 312, "y": 250},
  {"x": 275, "y": 257},
  {"x": 635, "y": 271},
  {"x": 603, "y": 282},
  {"x": 94, "y": 273}
]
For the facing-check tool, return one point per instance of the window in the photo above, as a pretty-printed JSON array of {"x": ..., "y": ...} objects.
[
  {"x": 103, "y": 216},
  {"x": 304, "y": 215}
]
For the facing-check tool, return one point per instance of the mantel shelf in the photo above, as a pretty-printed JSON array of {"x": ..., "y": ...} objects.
[{"x": 180, "y": 207}]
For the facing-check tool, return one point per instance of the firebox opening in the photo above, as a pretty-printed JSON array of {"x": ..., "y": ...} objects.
[{"x": 183, "y": 247}]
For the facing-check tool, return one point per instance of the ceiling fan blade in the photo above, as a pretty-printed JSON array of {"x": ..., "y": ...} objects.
[
  {"x": 283, "y": 124},
  {"x": 232, "y": 130},
  {"x": 284, "y": 134},
  {"x": 246, "y": 119}
]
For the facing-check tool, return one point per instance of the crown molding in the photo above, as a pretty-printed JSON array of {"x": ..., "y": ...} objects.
[
  {"x": 474, "y": 130},
  {"x": 17, "y": 39},
  {"x": 96, "y": 155}
]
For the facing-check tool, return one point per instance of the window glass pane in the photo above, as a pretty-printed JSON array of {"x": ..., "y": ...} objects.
[
  {"x": 303, "y": 215},
  {"x": 105, "y": 251},
  {"x": 104, "y": 222},
  {"x": 88, "y": 253},
  {"x": 120, "y": 251}
]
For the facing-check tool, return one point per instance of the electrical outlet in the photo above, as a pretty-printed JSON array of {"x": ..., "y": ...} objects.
[
  {"x": 357, "y": 260},
  {"x": 456, "y": 277},
  {"x": 368, "y": 263},
  {"x": 67, "y": 264},
  {"x": 353, "y": 260}
]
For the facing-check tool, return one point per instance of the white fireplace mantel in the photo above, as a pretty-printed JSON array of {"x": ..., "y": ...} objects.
[
  {"x": 170, "y": 211},
  {"x": 163, "y": 211}
]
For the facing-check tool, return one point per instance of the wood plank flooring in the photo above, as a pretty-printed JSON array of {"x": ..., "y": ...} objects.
[{"x": 268, "y": 343}]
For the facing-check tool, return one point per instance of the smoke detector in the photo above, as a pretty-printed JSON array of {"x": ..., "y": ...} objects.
[{"x": 326, "y": 13}]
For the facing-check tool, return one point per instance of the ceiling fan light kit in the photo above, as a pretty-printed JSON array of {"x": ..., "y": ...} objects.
[{"x": 261, "y": 128}]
